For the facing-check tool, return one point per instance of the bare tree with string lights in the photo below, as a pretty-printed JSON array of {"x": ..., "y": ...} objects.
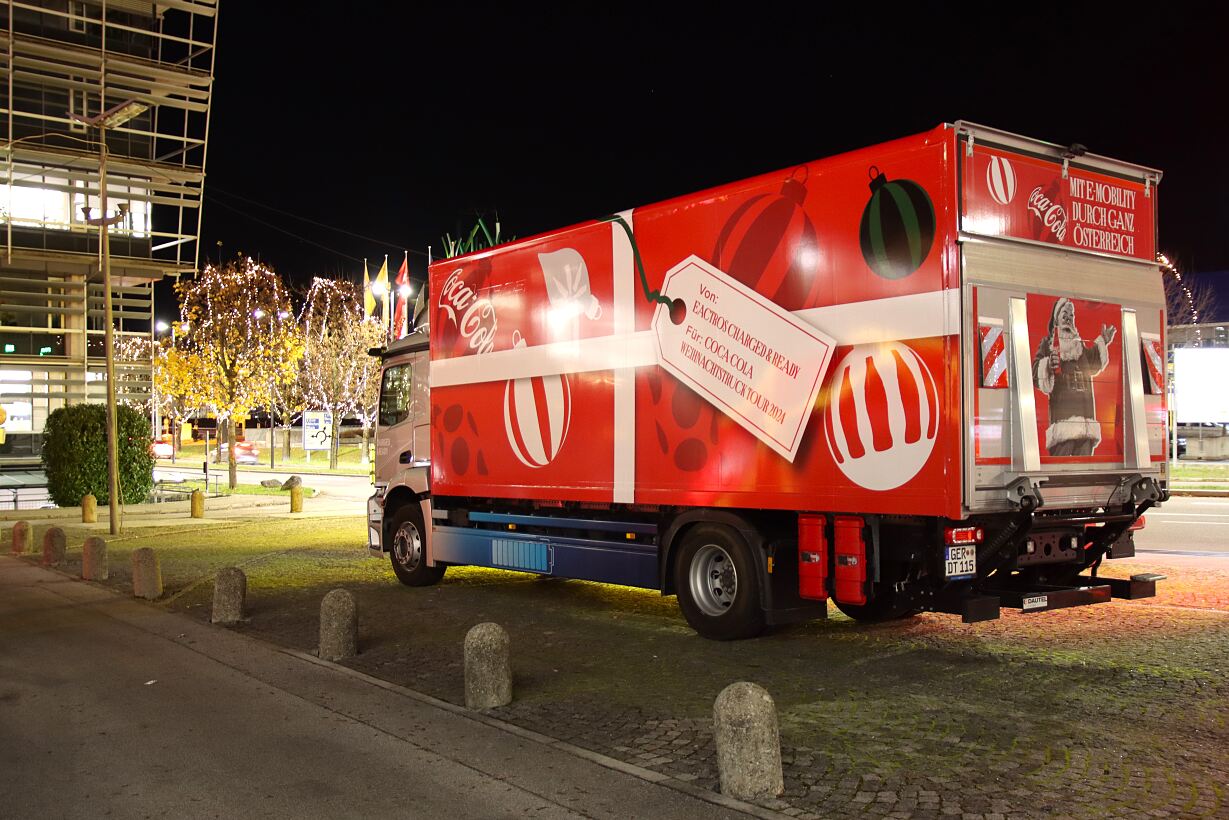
[
  {"x": 336, "y": 338},
  {"x": 240, "y": 326},
  {"x": 1188, "y": 301}
]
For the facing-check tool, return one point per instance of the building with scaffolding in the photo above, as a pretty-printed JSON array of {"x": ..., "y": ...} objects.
[{"x": 67, "y": 68}]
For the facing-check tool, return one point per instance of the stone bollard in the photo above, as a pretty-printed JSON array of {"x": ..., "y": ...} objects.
[
  {"x": 338, "y": 626},
  {"x": 21, "y": 537},
  {"x": 748, "y": 742},
  {"x": 198, "y": 504},
  {"x": 488, "y": 674},
  {"x": 296, "y": 499},
  {"x": 230, "y": 591},
  {"x": 94, "y": 560},
  {"x": 146, "y": 574},
  {"x": 53, "y": 547},
  {"x": 89, "y": 509}
]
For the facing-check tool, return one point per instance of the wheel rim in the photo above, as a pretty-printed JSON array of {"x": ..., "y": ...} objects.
[
  {"x": 713, "y": 580},
  {"x": 407, "y": 546}
]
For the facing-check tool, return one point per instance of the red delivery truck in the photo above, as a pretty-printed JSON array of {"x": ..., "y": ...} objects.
[{"x": 927, "y": 375}]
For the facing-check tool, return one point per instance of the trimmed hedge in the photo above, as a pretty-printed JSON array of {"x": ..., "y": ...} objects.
[{"x": 75, "y": 454}]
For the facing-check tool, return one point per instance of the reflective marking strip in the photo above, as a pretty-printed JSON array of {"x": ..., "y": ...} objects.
[{"x": 993, "y": 355}]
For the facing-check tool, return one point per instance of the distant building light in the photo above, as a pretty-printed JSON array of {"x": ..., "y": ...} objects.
[
  {"x": 161, "y": 326},
  {"x": 10, "y": 348},
  {"x": 44, "y": 351}
]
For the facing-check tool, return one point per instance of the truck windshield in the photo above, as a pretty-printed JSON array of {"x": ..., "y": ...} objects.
[{"x": 395, "y": 395}]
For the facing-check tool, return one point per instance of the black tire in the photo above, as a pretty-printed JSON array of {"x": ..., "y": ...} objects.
[
  {"x": 717, "y": 584},
  {"x": 885, "y": 606},
  {"x": 407, "y": 548}
]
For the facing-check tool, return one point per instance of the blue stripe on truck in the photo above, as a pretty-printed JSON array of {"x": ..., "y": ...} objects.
[{"x": 630, "y": 565}]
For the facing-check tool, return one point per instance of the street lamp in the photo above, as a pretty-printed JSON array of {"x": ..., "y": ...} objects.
[{"x": 111, "y": 118}]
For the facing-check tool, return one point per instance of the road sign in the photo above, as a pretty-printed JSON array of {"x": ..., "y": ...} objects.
[{"x": 317, "y": 430}]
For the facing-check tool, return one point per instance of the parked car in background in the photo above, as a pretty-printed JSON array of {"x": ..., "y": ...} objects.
[
  {"x": 162, "y": 449},
  {"x": 246, "y": 452}
]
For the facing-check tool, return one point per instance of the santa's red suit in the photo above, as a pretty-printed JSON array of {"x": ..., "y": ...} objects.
[{"x": 1074, "y": 429}]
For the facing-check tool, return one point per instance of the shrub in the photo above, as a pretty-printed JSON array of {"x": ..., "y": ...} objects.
[{"x": 75, "y": 454}]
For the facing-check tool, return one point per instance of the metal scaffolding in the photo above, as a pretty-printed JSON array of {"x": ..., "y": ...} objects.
[{"x": 62, "y": 63}]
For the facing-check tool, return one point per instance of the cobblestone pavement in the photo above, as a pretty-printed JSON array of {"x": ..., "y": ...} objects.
[{"x": 1116, "y": 710}]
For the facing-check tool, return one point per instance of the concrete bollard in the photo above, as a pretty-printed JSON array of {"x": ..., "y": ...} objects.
[
  {"x": 146, "y": 574},
  {"x": 53, "y": 547},
  {"x": 338, "y": 626},
  {"x": 89, "y": 509},
  {"x": 488, "y": 673},
  {"x": 230, "y": 591},
  {"x": 748, "y": 742},
  {"x": 94, "y": 559},
  {"x": 198, "y": 504},
  {"x": 21, "y": 537},
  {"x": 296, "y": 499}
]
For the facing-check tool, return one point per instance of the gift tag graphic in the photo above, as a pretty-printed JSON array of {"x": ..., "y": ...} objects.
[{"x": 753, "y": 360}]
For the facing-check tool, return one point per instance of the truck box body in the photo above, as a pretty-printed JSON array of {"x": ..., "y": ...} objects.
[{"x": 547, "y": 373}]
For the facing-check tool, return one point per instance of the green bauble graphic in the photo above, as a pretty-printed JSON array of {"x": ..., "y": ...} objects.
[{"x": 898, "y": 226}]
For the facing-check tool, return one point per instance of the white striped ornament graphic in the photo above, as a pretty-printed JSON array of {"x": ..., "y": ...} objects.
[
  {"x": 537, "y": 416},
  {"x": 882, "y": 417},
  {"x": 1001, "y": 180}
]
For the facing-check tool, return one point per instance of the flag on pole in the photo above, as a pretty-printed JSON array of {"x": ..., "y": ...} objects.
[
  {"x": 401, "y": 318},
  {"x": 380, "y": 289},
  {"x": 369, "y": 299}
]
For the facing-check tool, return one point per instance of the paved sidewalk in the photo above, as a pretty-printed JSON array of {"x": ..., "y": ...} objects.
[{"x": 109, "y": 707}]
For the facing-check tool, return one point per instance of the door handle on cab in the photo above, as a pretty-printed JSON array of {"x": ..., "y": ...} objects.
[{"x": 405, "y": 457}]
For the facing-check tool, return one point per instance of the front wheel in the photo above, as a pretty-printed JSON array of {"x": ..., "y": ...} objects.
[
  {"x": 717, "y": 585},
  {"x": 408, "y": 553}
]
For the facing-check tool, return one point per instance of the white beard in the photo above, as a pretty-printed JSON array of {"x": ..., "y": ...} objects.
[{"x": 1070, "y": 345}]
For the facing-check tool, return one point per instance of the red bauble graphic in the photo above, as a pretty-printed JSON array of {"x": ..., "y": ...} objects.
[
  {"x": 687, "y": 435},
  {"x": 457, "y": 442},
  {"x": 770, "y": 244}
]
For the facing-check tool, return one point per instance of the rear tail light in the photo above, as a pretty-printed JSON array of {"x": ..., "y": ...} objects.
[
  {"x": 964, "y": 535},
  {"x": 1138, "y": 525}
]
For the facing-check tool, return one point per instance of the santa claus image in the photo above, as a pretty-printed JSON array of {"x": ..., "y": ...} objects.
[{"x": 1063, "y": 369}]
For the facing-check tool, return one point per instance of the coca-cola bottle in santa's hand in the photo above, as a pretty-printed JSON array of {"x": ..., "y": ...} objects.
[{"x": 1056, "y": 358}]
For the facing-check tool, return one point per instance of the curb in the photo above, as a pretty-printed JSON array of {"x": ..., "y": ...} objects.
[
  {"x": 1199, "y": 493},
  {"x": 715, "y": 798}
]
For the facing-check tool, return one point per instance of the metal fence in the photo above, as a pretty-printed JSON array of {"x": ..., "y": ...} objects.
[{"x": 25, "y": 498}]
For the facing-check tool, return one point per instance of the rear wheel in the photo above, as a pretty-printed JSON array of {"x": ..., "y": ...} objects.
[
  {"x": 717, "y": 585},
  {"x": 408, "y": 549}
]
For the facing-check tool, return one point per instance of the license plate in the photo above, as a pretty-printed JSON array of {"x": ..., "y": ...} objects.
[{"x": 961, "y": 561}]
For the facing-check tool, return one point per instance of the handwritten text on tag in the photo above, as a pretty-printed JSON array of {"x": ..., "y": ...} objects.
[{"x": 753, "y": 360}]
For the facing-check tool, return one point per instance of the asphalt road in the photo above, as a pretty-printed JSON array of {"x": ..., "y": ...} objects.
[
  {"x": 1186, "y": 524},
  {"x": 355, "y": 487}
]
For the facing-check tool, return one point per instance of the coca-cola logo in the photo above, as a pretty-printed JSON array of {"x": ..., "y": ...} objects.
[
  {"x": 474, "y": 318},
  {"x": 1052, "y": 215}
]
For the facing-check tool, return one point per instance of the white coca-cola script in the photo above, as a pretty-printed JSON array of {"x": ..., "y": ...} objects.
[
  {"x": 474, "y": 318},
  {"x": 1051, "y": 214}
]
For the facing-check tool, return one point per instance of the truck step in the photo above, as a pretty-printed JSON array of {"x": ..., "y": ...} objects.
[
  {"x": 1040, "y": 598},
  {"x": 1142, "y": 585}
]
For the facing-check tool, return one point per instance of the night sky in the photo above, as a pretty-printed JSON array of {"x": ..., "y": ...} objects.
[{"x": 401, "y": 126}]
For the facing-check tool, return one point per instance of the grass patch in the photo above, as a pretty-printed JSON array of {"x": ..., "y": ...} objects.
[{"x": 242, "y": 489}]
